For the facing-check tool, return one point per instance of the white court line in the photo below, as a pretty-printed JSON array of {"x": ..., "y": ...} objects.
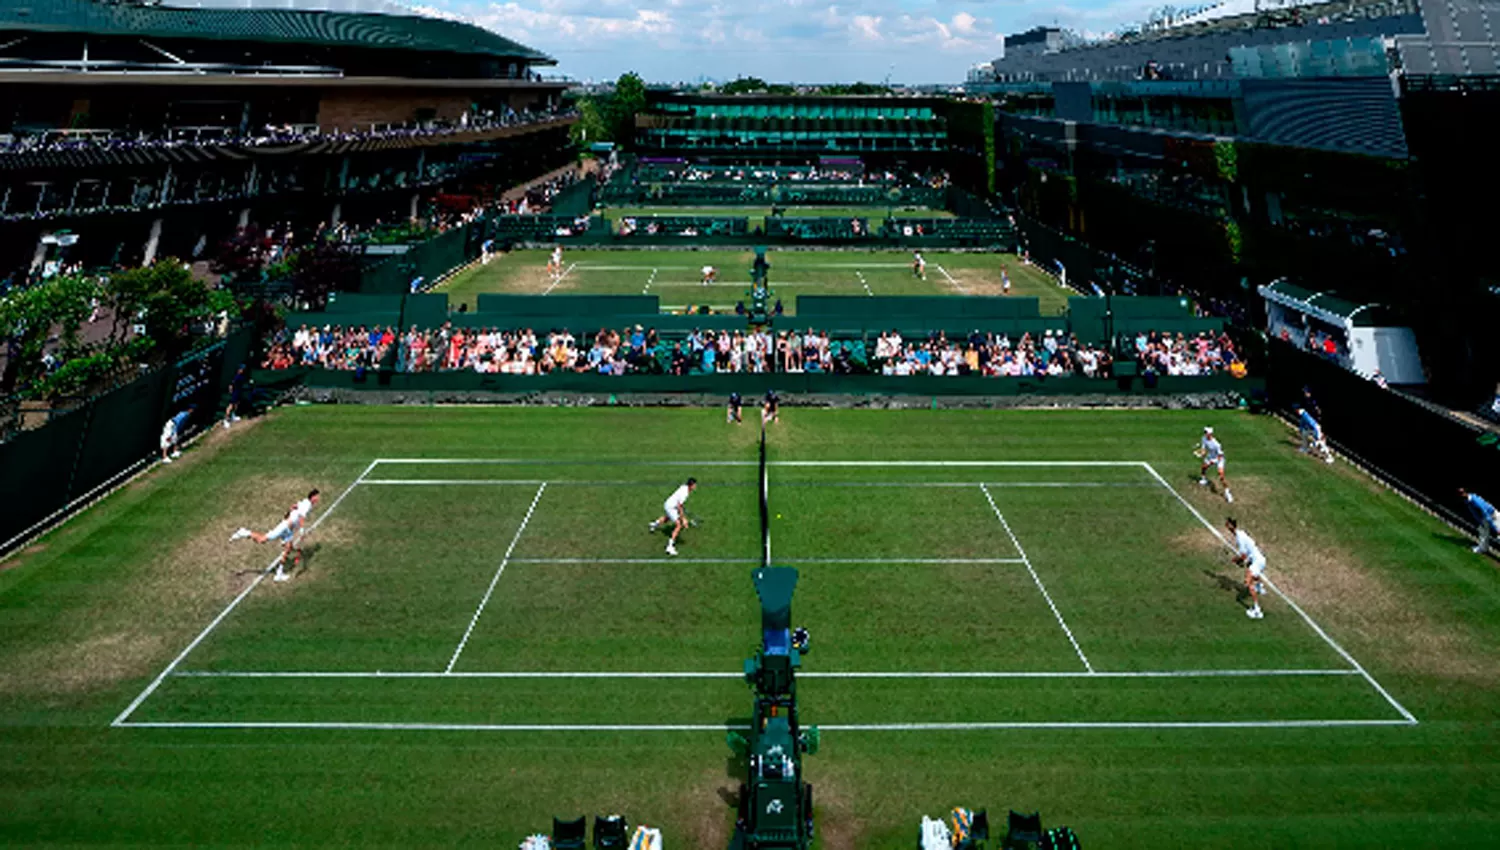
[
  {"x": 955, "y": 463},
  {"x": 499, "y": 572},
  {"x": 234, "y": 603},
  {"x": 714, "y": 674},
  {"x": 864, "y": 283},
  {"x": 1034, "y": 577},
  {"x": 951, "y": 279},
  {"x": 765, "y": 489},
  {"x": 631, "y": 482},
  {"x": 454, "y": 482},
  {"x": 813, "y": 266},
  {"x": 590, "y": 267},
  {"x": 634, "y": 561},
  {"x": 1359, "y": 668},
  {"x": 754, "y": 561},
  {"x": 440, "y": 727},
  {"x": 559, "y": 279},
  {"x": 722, "y": 727},
  {"x": 1104, "y": 724},
  {"x": 1135, "y": 464},
  {"x": 556, "y": 462}
]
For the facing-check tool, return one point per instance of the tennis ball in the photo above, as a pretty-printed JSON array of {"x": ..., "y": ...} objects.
[{"x": 778, "y": 516}]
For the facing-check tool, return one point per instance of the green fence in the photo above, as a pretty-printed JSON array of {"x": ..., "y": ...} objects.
[
  {"x": 47, "y": 472},
  {"x": 1092, "y": 320},
  {"x": 428, "y": 261},
  {"x": 750, "y": 385},
  {"x": 1098, "y": 320},
  {"x": 569, "y": 305}
]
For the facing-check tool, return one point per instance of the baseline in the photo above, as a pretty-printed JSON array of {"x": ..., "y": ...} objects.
[
  {"x": 713, "y": 674},
  {"x": 722, "y": 727}
]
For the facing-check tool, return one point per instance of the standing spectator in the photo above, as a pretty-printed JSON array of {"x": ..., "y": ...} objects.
[
  {"x": 1484, "y": 514},
  {"x": 236, "y": 395},
  {"x": 1310, "y": 404}
]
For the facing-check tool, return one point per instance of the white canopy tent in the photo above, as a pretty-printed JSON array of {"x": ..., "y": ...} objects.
[{"x": 1362, "y": 339}]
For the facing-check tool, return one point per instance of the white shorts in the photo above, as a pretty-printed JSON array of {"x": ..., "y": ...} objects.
[
  {"x": 674, "y": 512},
  {"x": 1257, "y": 566},
  {"x": 168, "y": 437},
  {"x": 1219, "y": 464},
  {"x": 283, "y": 532}
]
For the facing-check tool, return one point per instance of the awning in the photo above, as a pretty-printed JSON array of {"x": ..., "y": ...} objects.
[{"x": 1324, "y": 306}]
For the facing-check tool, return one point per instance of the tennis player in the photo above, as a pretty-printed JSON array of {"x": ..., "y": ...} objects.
[
  {"x": 770, "y": 409},
  {"x": 675, "y": 514},
  {"x": 735, "y": 413},
  {"x": 1248, "y": 555},
  {"x": 288, "y": 533},
  {"x": 1212, "y": 454}
]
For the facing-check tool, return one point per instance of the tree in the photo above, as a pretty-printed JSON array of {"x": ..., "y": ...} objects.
[
  {"x": 628, "y": 101},
  {"x": 242, "y": 256},
  {"x": 744, "y": 85},
  {"x": 168, "y": 301},
  {"x": 324, "y": 267},
  {"x": 592, "y": 125},
  {"x": 28, "y": 317}
]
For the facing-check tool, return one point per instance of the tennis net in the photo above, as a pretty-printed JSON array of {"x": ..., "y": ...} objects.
[{"x": 765, "y": 505}]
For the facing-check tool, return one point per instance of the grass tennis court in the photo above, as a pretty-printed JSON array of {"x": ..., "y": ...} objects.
[
  {"x": 1022, "y": 609},
  {"x": 676, "y": 276}
]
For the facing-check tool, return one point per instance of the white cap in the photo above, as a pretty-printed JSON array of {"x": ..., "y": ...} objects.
[{"x": 1208, "y": 429}]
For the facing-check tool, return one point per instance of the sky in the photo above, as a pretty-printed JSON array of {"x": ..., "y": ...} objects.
[{"x": 906, "y": 41}]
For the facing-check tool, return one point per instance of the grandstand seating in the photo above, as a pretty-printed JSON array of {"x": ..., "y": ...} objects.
[
  {"x": 540, "y": 227},
  {"x": 808, "y": 194},
  {"x": 968, "y": 232},
  {"x": 683, "y": 225},
  {"x": 818, "y": 228}
]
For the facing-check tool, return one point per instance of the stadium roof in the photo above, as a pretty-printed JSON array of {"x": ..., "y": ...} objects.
[
  {"x": 327, "y": 29},
  {"x": 1322, "y": 305}
]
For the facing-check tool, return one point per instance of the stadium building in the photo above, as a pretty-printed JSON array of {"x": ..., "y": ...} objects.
[
  {"x": 1338, "y": 144},
  {"x": 140, "y": 130},
  {"x": 794, "y": 128}
]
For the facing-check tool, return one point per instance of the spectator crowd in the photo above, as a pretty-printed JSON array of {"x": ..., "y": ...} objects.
[
  {"x": 268, "y": 135},
  {"x": 639, "y": 350},
  {"x": 1200, "y": 354}
]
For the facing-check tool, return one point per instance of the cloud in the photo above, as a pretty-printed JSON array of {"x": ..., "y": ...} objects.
[
  {"x": 866, "y": 28},
  {"x": 781, "y": 40}
]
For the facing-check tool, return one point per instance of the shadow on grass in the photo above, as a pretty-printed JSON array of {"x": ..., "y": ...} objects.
[
  {"x": 1229, "y": 585},
  {"x": 1456, "y": 539}
]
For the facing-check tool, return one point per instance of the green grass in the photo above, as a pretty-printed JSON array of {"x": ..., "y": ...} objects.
[
  {"x": 757, "y": 214},
  {"x": 904, "y": 568},
  {"x": 676, "y": 276}
]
